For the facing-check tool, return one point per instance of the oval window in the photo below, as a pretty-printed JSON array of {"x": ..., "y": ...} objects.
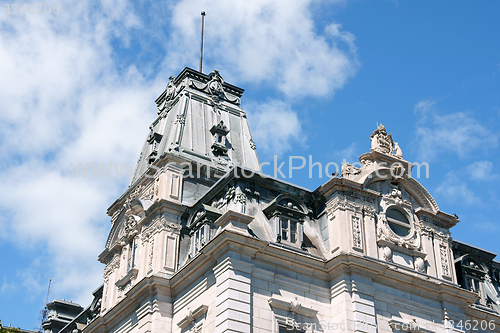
[{"x": 398, "y": 222}]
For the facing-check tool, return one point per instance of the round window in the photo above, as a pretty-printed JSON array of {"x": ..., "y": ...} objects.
[{"x": 398, "y": 222}]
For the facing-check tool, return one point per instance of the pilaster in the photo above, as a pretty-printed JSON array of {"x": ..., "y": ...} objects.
[{"x": 233, "y": 300}]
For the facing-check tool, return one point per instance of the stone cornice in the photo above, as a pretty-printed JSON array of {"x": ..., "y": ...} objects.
[
  {"x": 343, "y": 184},
  {"x": 403, "y": 277},
  {"x": 302, "y": 263}
]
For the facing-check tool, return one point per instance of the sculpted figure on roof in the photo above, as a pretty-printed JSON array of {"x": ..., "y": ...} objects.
[{"x": 381, "y": 141}]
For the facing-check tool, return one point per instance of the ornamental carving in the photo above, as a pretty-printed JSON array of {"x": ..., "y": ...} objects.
[
  {"x": 230, "y": 193},
  {"x": 252, "y": 145},
  {"x": 387, "y": 253},
  {"x": 215, "y": 88},
  {"x": 395, "y": 198},
  {"x": 345, "y": 204},
  {"x": 151, "y": 254},
  {"x": 443, "y": 251},
  {"x": 225, "y": 198},
  {"x": 135, "y": 193},
  {"x": 157, "y": 225},
  {"x": 420, "y": 265},
  {"x": 381, "y": 141},
  {"x": 349, "y": 171},
  {"x": 113, "y": 264},
  {"x": 224, "y": 162},
  {"x": 180, "y": 119},
  {"x": 149, "y": 193},
  {"x": 165, "y": 102},
  {"x": 116, "y": 214},
  {"x": 129, "y": 225},
  {"x": 356, "y": 233},
  {"x": 369, "y": 211},
  {"x": 240, "y": 198},
  {"x": 105, "y": 293},
  {"x": 433, "y": 233}
]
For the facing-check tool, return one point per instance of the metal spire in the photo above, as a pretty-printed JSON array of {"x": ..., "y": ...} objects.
[{"x": 201, "y": 49}]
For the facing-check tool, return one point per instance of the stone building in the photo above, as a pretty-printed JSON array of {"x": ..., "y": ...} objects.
[{"x": 202, "y": 241}]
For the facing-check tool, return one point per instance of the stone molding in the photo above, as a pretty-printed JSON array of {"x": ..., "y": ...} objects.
[
  {"x": 192, "y": 316},
  {"x": 343, "y": 203},
  {"x": 233, "y": 221},
  {"x": 293, "y": 306}
]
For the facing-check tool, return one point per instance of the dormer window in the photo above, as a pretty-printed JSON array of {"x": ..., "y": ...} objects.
[
  {"x": 153, "y": 140},
  {"x": 219, "y": 132},
  {"x": 473, "y": 277},
  {"x": 286, "y": 217},
  {"x": 202, "y": 227}
]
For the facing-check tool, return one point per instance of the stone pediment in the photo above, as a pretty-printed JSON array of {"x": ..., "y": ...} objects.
[{"x": 285, "y": 205}]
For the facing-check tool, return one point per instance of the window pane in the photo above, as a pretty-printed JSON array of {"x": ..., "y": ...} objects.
[
  {"x": 293, "y": 237},
  {"x": 397, "y": 215},
  {"x": 284, "y": 224},
  {"x": 399, "y": 230},
  {"x": 284, "y": 235},
  {"x": 293, "y": 226}
]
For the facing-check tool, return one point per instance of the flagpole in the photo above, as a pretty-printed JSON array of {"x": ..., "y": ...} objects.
[{"x": 201, "y": 48}]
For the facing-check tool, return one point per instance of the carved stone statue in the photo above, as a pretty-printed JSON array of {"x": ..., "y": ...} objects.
[
  {"x": 170, "y": 92},
  {"x": 397, "y": 150},
  {"x": 170, "y": 89},
  {"x": 381, "y": 141},
  {"x": 215, "y": 85}
]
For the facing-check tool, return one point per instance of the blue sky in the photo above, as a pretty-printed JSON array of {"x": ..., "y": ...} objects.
[{"x": 80, "y": 86}]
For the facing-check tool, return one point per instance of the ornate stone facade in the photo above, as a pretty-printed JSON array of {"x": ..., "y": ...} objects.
[{"x": 368, "y": 251}]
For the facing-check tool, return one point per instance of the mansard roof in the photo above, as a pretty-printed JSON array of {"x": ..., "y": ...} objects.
[{"x": 190, "y": 107}]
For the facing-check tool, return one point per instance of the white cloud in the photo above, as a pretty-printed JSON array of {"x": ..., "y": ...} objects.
[
  {"x": 454, "y": 189},
  {"x": 265, "y": 42},
  {"x": 349, "y": 154},
  {"x": 271, "y": 44},
  {"x": 458, "y": 133},
  {"x": 275, "y": 127},
  {"x": 423, "y": 108},
  {"x": 64, "y": 100},
  {"x": 481, "y": 170}
]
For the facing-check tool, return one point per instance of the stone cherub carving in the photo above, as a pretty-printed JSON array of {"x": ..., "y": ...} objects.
[{"x": 381, "y": 141}]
